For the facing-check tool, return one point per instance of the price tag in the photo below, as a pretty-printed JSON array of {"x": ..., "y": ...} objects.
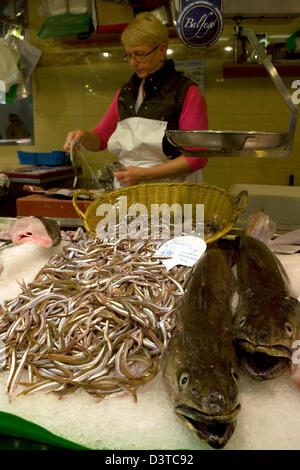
[{"x": 184, "y": 251}]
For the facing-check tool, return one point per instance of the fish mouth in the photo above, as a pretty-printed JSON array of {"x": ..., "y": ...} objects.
[
  {"x": 216, "y": 430},
  {"x": 262, "y": 362}
]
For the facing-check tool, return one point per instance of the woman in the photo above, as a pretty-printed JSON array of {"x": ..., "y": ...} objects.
[{"x": 156, "y": 98}]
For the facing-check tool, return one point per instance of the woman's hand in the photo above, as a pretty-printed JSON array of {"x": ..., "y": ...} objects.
[
  {"x": 171, "y": 169},
  {"x": 78, "y": 135},
  {"x": 89, "y": 139},
  {"x": 131, "y": 175}
]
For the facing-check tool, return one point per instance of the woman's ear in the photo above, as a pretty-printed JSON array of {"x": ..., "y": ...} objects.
[{"x": 163, "y": 50}]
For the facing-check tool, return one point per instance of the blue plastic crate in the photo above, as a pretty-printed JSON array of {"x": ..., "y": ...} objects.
[
  {"x": 54, "y": 158},
  {"x": 27, "y": 158}
]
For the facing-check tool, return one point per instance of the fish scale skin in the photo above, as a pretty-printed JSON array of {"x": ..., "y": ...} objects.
[
  {"x": 202, "y": 347},
  {"x": 265, "y": 312}
]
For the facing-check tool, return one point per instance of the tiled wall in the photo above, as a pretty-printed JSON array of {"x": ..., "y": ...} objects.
[
  {"x": 70, "y": 97},
  {"x": 74, "y": 97},
  {"x": 249, "y": 104}
]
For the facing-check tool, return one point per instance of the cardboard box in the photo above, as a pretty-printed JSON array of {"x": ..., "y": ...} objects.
[
  {"x": 45, "y": 206},
  {"x": 109, "y": 13}
]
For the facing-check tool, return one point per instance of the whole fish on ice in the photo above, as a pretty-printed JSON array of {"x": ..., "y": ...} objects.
[
  {"x": 267, "y": 320},
  {"x": 199, "y": 366},
  {"x": 40, "y": 230}
]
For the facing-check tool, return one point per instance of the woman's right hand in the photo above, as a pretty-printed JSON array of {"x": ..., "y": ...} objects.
[{"x": 78, "y": 135}]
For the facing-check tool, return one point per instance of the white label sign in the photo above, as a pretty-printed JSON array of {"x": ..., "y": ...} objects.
[{"x": 184, "y": 250}]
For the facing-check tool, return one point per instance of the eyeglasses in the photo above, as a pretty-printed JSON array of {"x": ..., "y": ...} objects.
[{"x": 138, "y": 56}]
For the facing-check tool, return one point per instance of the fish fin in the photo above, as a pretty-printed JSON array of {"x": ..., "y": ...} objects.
[{"x": 284, "y": 275}]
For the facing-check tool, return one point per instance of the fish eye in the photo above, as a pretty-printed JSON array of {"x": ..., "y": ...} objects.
[
  {"x": 184, "y": 379},
  {"x": 289, "y": 329},
  {"x": 234, "y": 374}
]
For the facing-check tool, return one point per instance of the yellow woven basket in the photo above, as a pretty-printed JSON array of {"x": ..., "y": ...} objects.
[{"x": 220, "y": 208}]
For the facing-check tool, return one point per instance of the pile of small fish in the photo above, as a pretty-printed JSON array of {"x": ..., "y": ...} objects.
[{"x": 96, "y": 317}]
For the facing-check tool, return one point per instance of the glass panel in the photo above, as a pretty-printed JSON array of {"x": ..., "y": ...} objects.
[{"x": 16, "y": 112}]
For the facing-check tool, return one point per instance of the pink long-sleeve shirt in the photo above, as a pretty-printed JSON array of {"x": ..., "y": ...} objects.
[{"x": 193, "y": 117}]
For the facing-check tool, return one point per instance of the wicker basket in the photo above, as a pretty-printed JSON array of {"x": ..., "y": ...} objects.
[{"x": 219, "y": 206}]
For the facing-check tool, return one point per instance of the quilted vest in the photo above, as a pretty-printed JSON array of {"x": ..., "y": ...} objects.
[{"x": 165, "y": 90}]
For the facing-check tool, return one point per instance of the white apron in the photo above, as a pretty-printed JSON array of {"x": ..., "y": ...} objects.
[{"x": 138, "y": 141}]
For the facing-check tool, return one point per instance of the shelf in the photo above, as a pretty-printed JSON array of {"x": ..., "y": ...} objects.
[
  {"x": 290, "y": 68},
  {"x": 102, "y": 38}
]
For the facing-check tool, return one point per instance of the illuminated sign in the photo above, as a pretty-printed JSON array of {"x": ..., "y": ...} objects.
[{"x": 200, "y": 23}]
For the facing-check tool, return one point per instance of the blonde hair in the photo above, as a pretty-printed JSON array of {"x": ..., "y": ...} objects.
[{"x": 145, "y": 28}]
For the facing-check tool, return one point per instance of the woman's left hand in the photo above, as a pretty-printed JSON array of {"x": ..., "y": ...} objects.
[
  {"x": 170, "y": 169},
  {"x": 130, "y": 176}
]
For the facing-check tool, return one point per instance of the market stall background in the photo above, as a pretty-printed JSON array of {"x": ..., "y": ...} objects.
[
  {"x": 75, "y": 81},
  {"x": 73, "y": 85}
]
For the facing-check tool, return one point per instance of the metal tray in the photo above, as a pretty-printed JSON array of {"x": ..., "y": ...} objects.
[{"x": 228, "y": 140}]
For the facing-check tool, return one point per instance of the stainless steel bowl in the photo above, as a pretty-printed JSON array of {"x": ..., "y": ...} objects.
[{"x": 228, "y": 140}]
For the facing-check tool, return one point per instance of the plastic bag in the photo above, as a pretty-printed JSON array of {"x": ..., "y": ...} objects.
[
  {"x": 261, "y": 227},
  {"x": 62, "y": 7},
  {"x": 66, "y": 25},
  {"x": 29, "y": 57},
  {"x": 9, "y": 70},
  {"x": 293, "y": 42}
]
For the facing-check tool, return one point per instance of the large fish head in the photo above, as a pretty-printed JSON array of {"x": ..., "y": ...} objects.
[
  {"x": 204, "y": 394},
  {"x": 264, "y": 335}
]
